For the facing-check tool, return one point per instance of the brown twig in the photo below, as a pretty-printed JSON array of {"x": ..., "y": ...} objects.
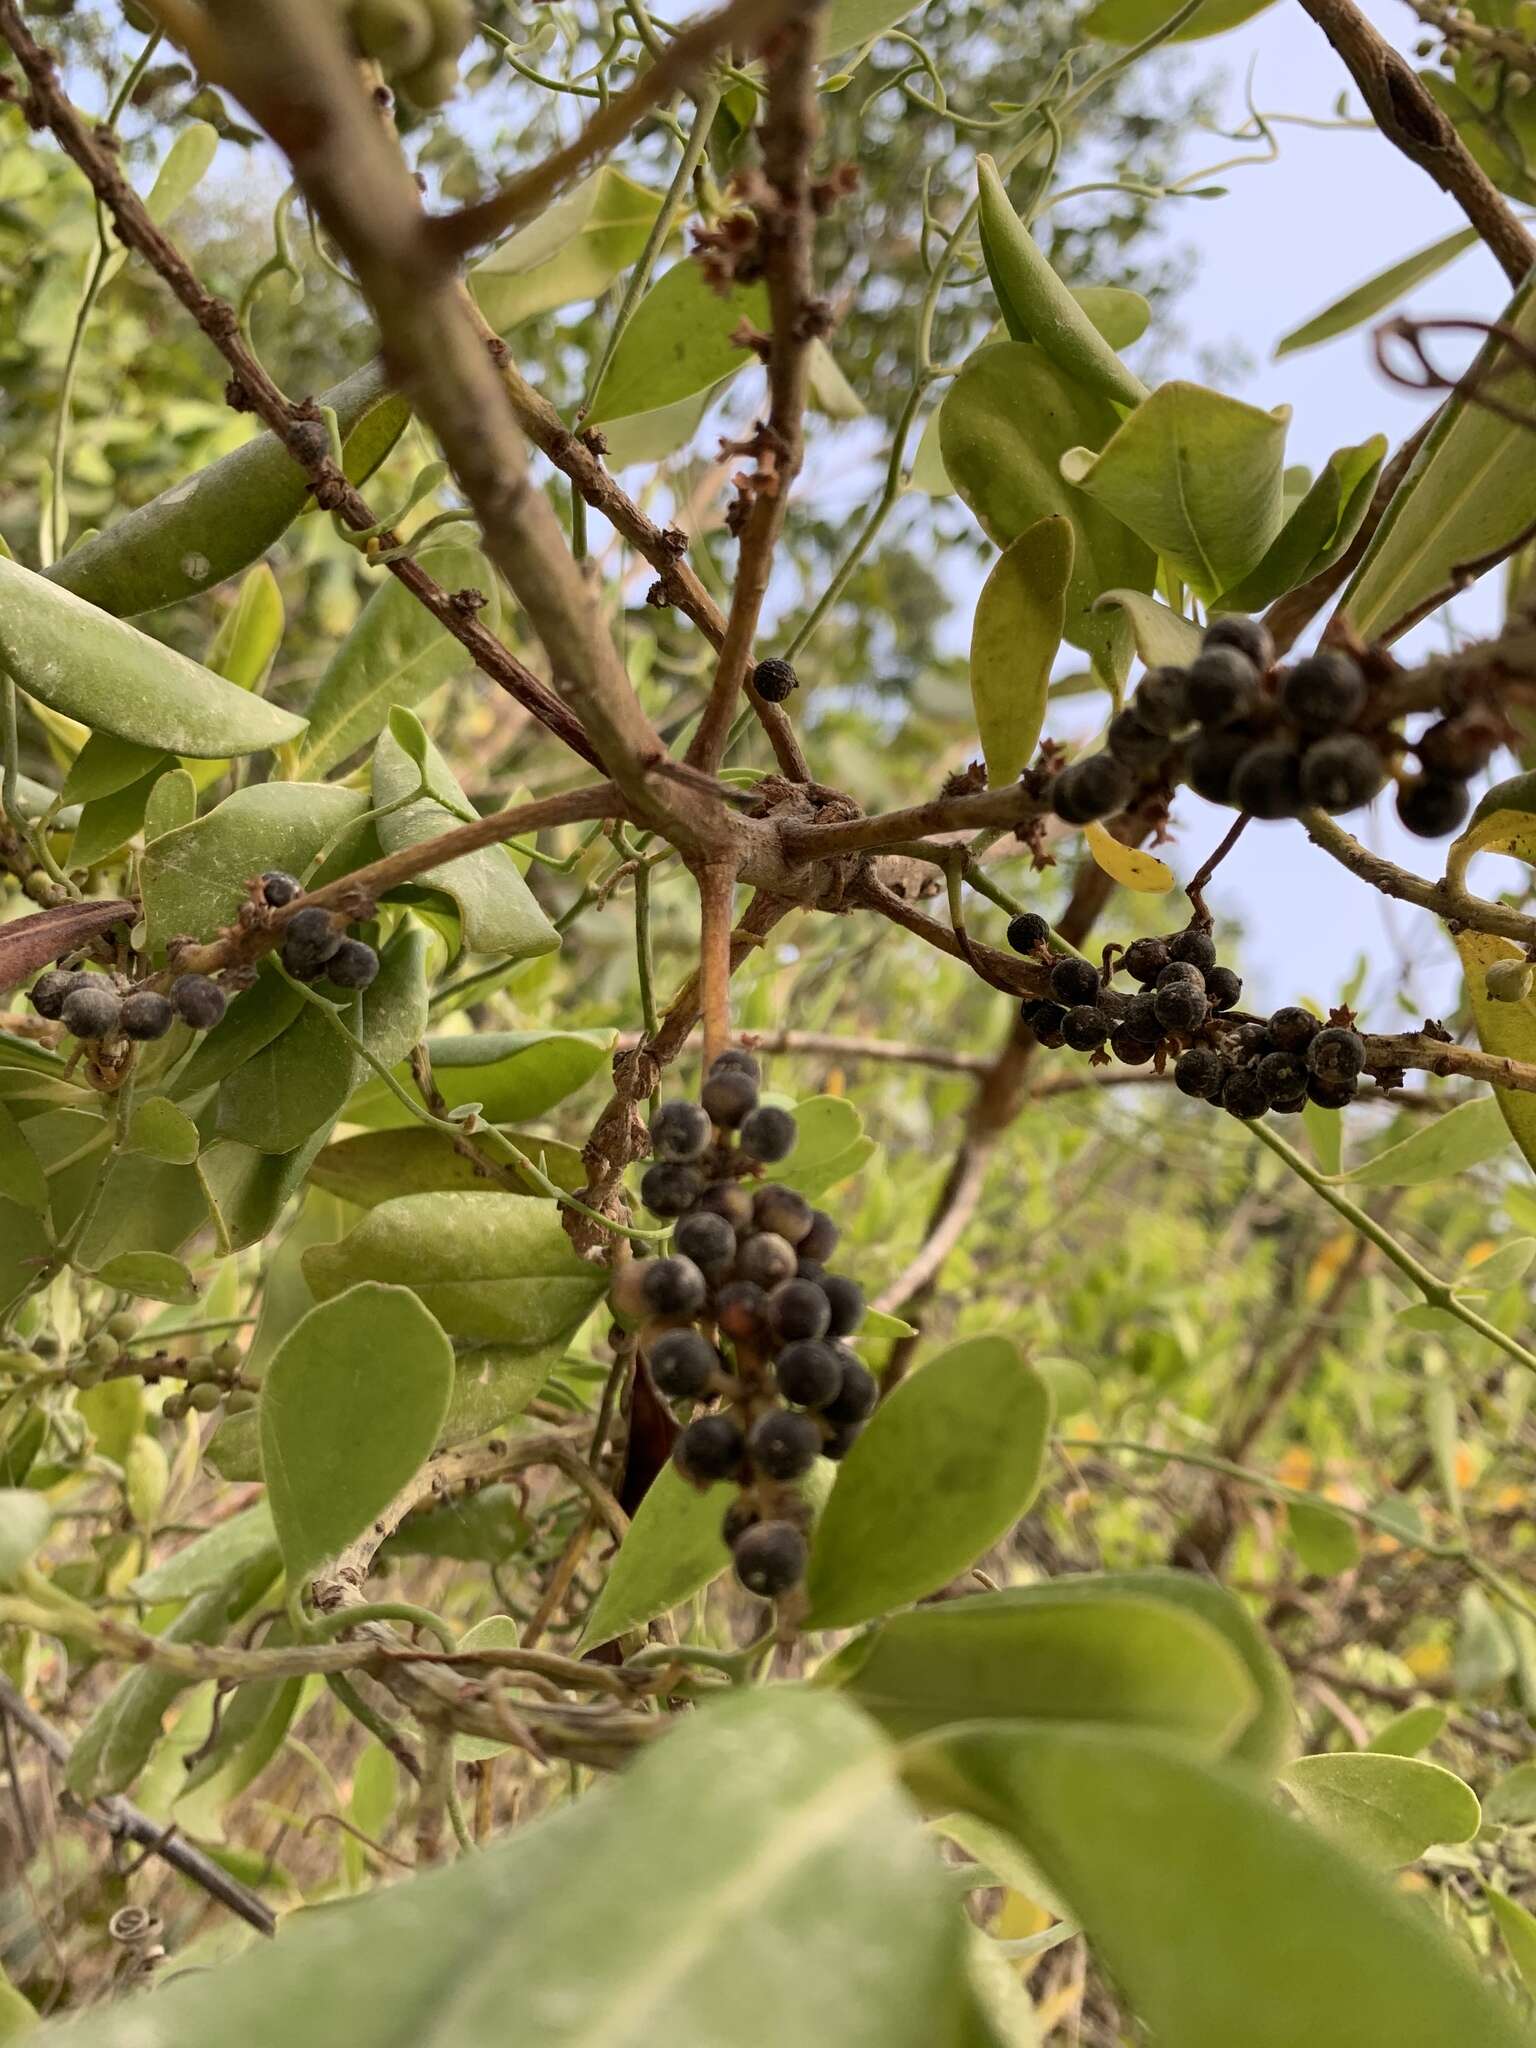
[
  {"x": 1455, "y": 905},
  {"x": 717, "y": 890}
]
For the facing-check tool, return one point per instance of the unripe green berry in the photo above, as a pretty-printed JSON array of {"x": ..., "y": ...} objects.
[
  {"x": 1509, "y": 981},
  {"x": 123, "y": 1325},
  {"x": 103, "y": 1350},
  {"x": 206, "y": 1398}
]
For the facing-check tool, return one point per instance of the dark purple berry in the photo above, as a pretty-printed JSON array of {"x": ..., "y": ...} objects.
[
  {"x": 797, "y": 1310},
  {"x": 1162, "y": 700},
  {"x": 1323, "y": 692},
  {"x": 1331, "y": 1094},
  {"x": 310, "y": 937},
  {"x": 735, "y": 1060},
  {"x": 1145, "y": 959},
  {"x": 708, "y": 1240},
  {"x": 673, "y": 1287},
  {"x": 1249, "y": 1042},
  {"x": 1455, "y": 747},
  {"x": 1341, "y": 774},
  {"x": 770, "y": 1559},
  {"x": 845, "y": 1297},
  {"x": 1282, "y": 1076},
  {"x": 1086, "y": 1027},
  {"x": 1293, "y": 1029},
  {"x": 680, "y": 1130},
  {"x": 1140, "y": 1018},
  {"x": 1200, "y": 1072},
  {"x": 278, "y": 889},
  {"x": 784, "y": 1211},
  {"x": 352, "y": 965},
  {"x": 1266, "y": 783},
  {"x": 730, "y": 1096},
  {"x": 1095, "y": 787},
  {"x": 1028, "y": 932},
  {"x": 198, "y": 1001},
  {"x": 1075, "y": 981},
  {"x": 146, "y": 1015},
  {"x": 765, "y": 1259},
  {"x": 1223, "y": 987},
  {"x": 50, "y": 989},
  {"x": 1181, "y": 1007},
  {"x": 729, "y": 1200},
  {"x": 682, "y": 1364},
  {"x": 91, "y": 1011},
  {"x": 783, "y": 1444},
  {"x": 1336, "y": 1054},
  {"x": 670, "y": 1189},
  {"x": 1211, "y": 761},
  {"x": 1181, "y": 970},
  {"x": 774, "y": 679},
  {"x": 711, "y": 1447},
  {"x": 1045, "y": 1021},
  {"x": 1242, "y": 1094},
  {"x": 1248, "y": 636},
  {"x": 1432, "y": 805},
  {"x": 1195, "y": 946},
  {"x": 856, "y": 1397},
  {"x": 768, "y": 1135},
  {"x": 809, "y": 1374},
  {"x": 842, "y": 1440},
  {"x": 742, "y": 1515},
  {"x": 820, "y": 1241},
  {"x": 741, "y": 1310},
  {"x": 1223, "y": 685},
  {"x": 1137, "y": 745},
  {"x": 1131, "y": 1050}
]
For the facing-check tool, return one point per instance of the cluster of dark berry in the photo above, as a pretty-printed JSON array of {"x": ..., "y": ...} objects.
[
  {"x": 1184, "y": 1010},
  {"x": 1272, "y": 741},
  {"x": 315, "y": 941},
  {"x": 743, "y": 1322},
  {"x": 98, "y": 1006}
]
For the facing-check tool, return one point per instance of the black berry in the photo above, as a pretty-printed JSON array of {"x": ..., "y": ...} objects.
[
  {"x": 1331, "y": 1094},
  {"x": 278, "y": 889},
  {"x": 845, "y": 1297},
  {"x": 1133, "y": 1051},
  {"x": 1293, "y": 1029},
  {"x": 765, "y": 1259},
  {"x": 842, "y": 1440},
  {"x": 1249, "y": 1042},
  {"x": 1432, "y": 805},
  {"x": 773, "y": 680},
  {"x": 1223, "y": 685},
  {"x": 741, "y": 1310},
  {"x": 1075, "y": 981},
  {"x": 1181, "y": 970},
  {"x": 740, "y": 1516},
  {"x": 820, "y": 1241},
  {"x": 1341, "y": 774},
  {"x": 310, "y": 938},
  {"x": 735, "y": 1061},
  {"x": 1181, "y": 1007},
  {"x": 682, "y": 1364},
  {"x": 1086, "y": 1027},
  {"x": 784, "y": 1211},
  {"x": 1140, "y": 1018},
  {"x": 1095, "y": 787},
  {"x": 50, "y": 989},
  {"x": 1242, "y": 1093},
  {"x": 1162, "y": 700},
  {"x": 730, "y": 1096},
  {"x": 91, "y": 1011},
  {"x": 673, "y": 1287},
  {"x": 1028, "y": 932},
  {"x": 1211, "y": 762},
  {"x": 680, "y": 1130},
  {"x": 197, "y": 1001},
  {"x": 768, "y": 1135},
  {"x": 1336, "y": 1054},
  {"x": 708, "y": 1240},
  {"x": 146, "y": 1015},
  {"x": 730, "y": 1201},
  {"x": 1266, "y": 783},
  {"x": 1195, "y": 946},
  {"x": 669, "y": 1189},
  {"x": 1045, "y": 1021},
  {"x": 1323, "y": 692},
  {"x": 809, "y": 1374},
  {"x": 1136, "y": 744},
  {"x": 710, "y": 1448},
  {"x": 1248, "y": 636},
  {"x": 1455, "y": 747},
  {"x": 856, "y": 1397},
  {"x": 1200, "y": 1072},
  {"x": 1223, "y": 987},
  {"x": 797, "y": 1310},
  {"x": 770, "y": 1559},
  {"x": 1282, "y": 1076},
  {"x": 352, "y": 965},
  {"x": 784, "y": 1445},
  {"x": 1145, "y": 959}
]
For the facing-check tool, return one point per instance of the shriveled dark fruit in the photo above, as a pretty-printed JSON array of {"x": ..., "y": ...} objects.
[
  {"x": 742, "y": 1514},
  {"x": 1266, "y": 783},
  {"x": 730, "y": 1200},
  {"x": 1431, "y": 806},
  {"x": 856, "y": 1397},
  {"x": 768, "y": 1135},
  {"x": 682, "y": 1364},
  {"x": 310, "y": 937},
  {"x": 730, "y": 1097},
  {"x": 1162, "y": 699},
  {"x": 1323, "y": 692},
  {"x": 770, "y": 1559},
  {"x": 1210, "y": 761},
  {"x": 670, "y": 1189},
  {"x": 49, "y": 990},
  {"x": 783, "y": 1444},
  {"x": 1028, "y": 932},
  {"x": 736, "y": 1060},
  {"x": 1046, "y": 1023},
  {"x": 1249, "y": 1042},
  {"x": 352, "y": 965},
  {"x": 1130, "y": 1050},
  {"x": 774, "y": 679},
  {"x": 1293, "y": 1028},
  {"x": 820, "y": 1241},
  {"x": 785, "y": 1211},
  {"x": 1455, "y": 747},
  {"x": 278, "y": 889},
  {"x": 91, "y": 1011},
  {"x": 1282, "y": 1075},
  {"x": 1242, "y": 1094},
  {"x": 809, "y": 1374},
  {"x": 1331, "y": 1094},
  {"x": 845, "y": 1297},
  {"x": 841, "y": 1441},
  {"x": 674, "y": 1287},
  {"x": 797, "y": 1310},
  {"x": 1336, "y": 1054},
  {"x": 741, "y": 1310},
  {"x": 1181, "y": 970},
  {"x": 765, "y": 1259},
  {"x": 1200, "y": 1072},
  {"x": 1095, "y": 787},
  {"x": 711, "y": 1447},
  {"x": 1223, "y": 685},
  {"x": 1140, "y": 1018},
  {"x": 1075, "y": 981},
  {"x": 1137, "y": 745},
  {"x": 1181, "y": 1007},
  {"x": 708, "y": 1240},
  {"x": 680, "y": 1130},
  {"x": 1086, "y": 1027},
  {"x": 198, "y": 1001},
  {"x": 1342, "y": 773},
  {"x": 1248, "y": 636},
  {"x": 1145, "y": 959},
  {"x": 146, "y": 1015},
  {"x": 1223, "y": 987},
  {"x": 1195, "y": 946}
]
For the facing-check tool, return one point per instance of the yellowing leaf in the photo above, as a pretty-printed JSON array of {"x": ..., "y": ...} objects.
[
  {"x": 1128, "y": 865},
  {"x": 1506, "y": 1029}
]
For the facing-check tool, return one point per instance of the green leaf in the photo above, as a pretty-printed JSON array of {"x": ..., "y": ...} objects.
[
  {"x": 1129, "y": 21},
  {"x": 496, "y": 1632},
  {"x": 494, "y": 1382},
  {"x": 514, "y": 1075},
  {"x": 209, "y": 1559},
  {"x": 1006, "y": 422},
  {"x": 155, "y": 1276},
  {"x": 678, "y": 342},
  {"x": 106, "y": 764},
  {"x": 207, "y": 527},
  {"x": 1162, "y": 638},
  {"x": 570, "y": 254},
  {"x": 923, "y": 1492},
  {"x": 17, "y": 2014},
  {"x": 195, "y": 878},
  {"x": 181, "y": 171},
  {"x": 830, "y": 392},
  {"x": 1376, "y": 294},
  {"x": 1221, "y": 1920},
  {"x": 1121, "y": 316},
  {"x": 1507, "y": 1030},
  {"x": 1518, "y": 1929},
  {"x": 1415, "y": 1728},
  {"x": 1017, "y": 629},
  {"x": 831, "y": 1145},
  {"x": 1075, "y": 1650},
  {"x": 376, "y": 1166},
  {"x": 172, "y": 803},
  {"x": 497, "y": 911},
  {"x": 801, "y": 1902},
  {"x": 110, "y": 676},
  {"x": 350, "y": 1407},
  {"x": 1512, "y": 1801},
  {"x": 1485, "y": 1650},
  {"x": 1451, "y": 1144},
  {"x": 22, "y": 1180},
  {"x": 1385, "y": 1809},
  {"x": 492, "y": 1268},
  {"x": 487, "y": 1526},
  {"x": 1197, "y": 476},
  {"x": 1501, "y": 1269},
  {"x": 25, "y": 1519},
  {"x": 106, "y": 826},
  {"x": 1318, "y": 531},
  {"x": 250, "y": 632},
  {"x": 1469, "y": 492},
  {"x": 1326, "y": 1542},
  {"x": 672, "y": 1549},
  {"x": 850, "y": 23},
  {"x": 648, "y": 437},
  {"x": 1325, "y": 1134},
  {"x": 1037, "y": 306},
  {"x": 397, "y": 653},
  {"x": 163, "y": 1131},
  {"x": 248, "y": 1190}
]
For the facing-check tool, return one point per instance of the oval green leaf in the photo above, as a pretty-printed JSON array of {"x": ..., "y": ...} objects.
[
  {"x": 25, "y": 1519},
  {"x": 672, "y": 1549},
  {"x": 1384, "y": 1809},
  {"x": 1318, "y": 531},
  {"x": 378, "y": 1166},
  {"x": 1015, "y": 634},
  {"x": 570, "y": 254},
  {"x": 1162, "y": 638},
  {"x": 679, "y": 342},
  {"x": 1129, "y": 21},
  {"x": 155, "y": 1276},
  {"x": 1376, "y": 294},
  {"x": 1415, "y": 1728},
  {"x": 209, "y": 1559},
  {"x": 1452, "y": 1144},
  {"x": 513, "y": 1075}
]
